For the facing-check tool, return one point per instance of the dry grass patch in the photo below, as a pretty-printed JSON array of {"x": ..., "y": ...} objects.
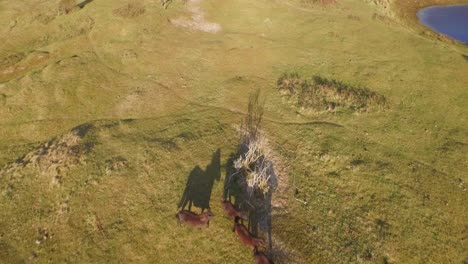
[
  {"x": 130, "y": 10},
  {"x": 318, "y": 2}
]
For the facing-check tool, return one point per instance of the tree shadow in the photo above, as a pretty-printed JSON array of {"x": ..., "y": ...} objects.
[
  {"x": 84, "y": 3},
  {"x": 200, "y": 184},
  {"x": 258, "y": 207},
  {"x": 232, "y": 190}
]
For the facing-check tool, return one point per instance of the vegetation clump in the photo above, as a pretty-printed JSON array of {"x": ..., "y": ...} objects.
[
  {"x": 322, "y": 94},
  {"x": 130, "y": 10},
  {"x": 67, "y": 6},
  {"x": 166, "y": 3}
]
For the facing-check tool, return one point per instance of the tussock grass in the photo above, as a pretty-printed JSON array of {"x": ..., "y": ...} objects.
[
  {"x": 67, "y": 6},
  {"x": 324, "y": 94}
]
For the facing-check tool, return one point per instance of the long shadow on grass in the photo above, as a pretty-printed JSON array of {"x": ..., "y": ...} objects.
[
  {"x": 200, "y": 184},
  {"x": 84, "y": 3},
  {"x": 257, "y": 207}
]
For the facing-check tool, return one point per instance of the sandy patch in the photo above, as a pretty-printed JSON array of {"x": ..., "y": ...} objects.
[{"x": 197, "y": 19}]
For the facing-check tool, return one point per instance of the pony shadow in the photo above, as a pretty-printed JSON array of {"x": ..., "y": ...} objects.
[{"x": 200, "y": 184}]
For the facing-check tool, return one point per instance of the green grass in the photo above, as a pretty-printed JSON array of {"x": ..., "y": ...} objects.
[{"x": 376, "y": 187}]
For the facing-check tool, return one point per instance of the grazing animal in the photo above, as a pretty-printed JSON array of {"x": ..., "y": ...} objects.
[
  {"x": 193, "y": 219},
  {"x": 261, "y": 258},
  {"x": 231, "y": 211},
  {"x": 245, "y": 236}
]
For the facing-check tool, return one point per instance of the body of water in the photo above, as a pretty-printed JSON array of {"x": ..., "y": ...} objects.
[{"x": 450, "y": 20}]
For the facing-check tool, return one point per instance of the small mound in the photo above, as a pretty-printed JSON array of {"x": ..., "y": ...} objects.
[
  {"x": 8, "y": 63},
  {"x": 130, "y": 10},
  {"x": 18, "y": 63},
  {"x": 54, "y": 157},
  {"x": 318, "y": 2},
  {"x": 322, "y": 94},
  {"x": 10, "y": 60}
]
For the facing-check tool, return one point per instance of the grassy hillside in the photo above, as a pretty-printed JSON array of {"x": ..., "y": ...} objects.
[{"x": 107, "y": 109}]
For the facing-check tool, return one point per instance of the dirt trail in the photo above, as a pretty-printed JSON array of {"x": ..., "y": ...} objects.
[{"x": 197, "y": 19}]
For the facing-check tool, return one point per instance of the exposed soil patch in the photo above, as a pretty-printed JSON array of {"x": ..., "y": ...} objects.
[
  {"x": 197, "y": 20},
  {"x": 322, "y": 94}
]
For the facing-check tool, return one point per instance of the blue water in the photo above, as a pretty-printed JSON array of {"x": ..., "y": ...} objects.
[{"x": 451, "y": 20}]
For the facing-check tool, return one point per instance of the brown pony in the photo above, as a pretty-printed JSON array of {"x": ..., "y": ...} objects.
[
  {"x": 231, "y": 211},
  {"x": 193, "y": 219},
  {"x": 245, "y": 236},
  {"x": 261, "y": 258}
]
